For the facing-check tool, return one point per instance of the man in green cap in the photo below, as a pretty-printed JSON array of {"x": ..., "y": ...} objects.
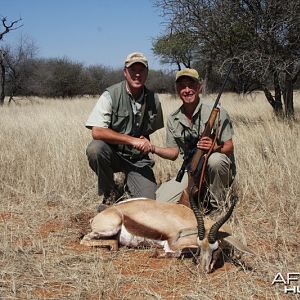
[
  {"x": 184, "y": 129},
  {"x": 121, "y": 123}
]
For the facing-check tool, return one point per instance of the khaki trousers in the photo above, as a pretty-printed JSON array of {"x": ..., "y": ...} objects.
[{"x": 219, "y": 177}]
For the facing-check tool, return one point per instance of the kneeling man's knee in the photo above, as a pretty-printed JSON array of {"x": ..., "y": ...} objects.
[
  {"x": 218, "y": 162},
  {"x": 95, "y": 148}
]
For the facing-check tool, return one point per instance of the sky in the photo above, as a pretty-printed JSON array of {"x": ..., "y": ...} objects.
[{"x": 92, "y": 32}]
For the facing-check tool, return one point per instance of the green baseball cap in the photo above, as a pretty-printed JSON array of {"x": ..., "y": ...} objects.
[
  {"x": 192, "y": 73},
  {"x": 136, "y": 57}
]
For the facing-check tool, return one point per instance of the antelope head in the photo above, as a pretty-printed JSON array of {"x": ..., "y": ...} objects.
[{"x": 211, "y": 241}]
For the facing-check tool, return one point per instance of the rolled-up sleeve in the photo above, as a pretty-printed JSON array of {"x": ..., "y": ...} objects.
[
  {"x": 170, "y": 139},
  {"x": 226, "y": 130},
  {"x": 101, "y": 113}
]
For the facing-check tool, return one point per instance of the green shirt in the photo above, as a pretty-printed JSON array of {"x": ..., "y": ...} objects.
[{"x": 185, "y": 136}]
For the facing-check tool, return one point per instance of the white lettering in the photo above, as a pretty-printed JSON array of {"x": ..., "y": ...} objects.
[
  {"x": 290, "y": 277},
  {"x": 278, "y": 279},
  {"x": 292, "y": 289}
]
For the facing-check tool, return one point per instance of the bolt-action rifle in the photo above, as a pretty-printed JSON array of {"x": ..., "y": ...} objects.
[{"x": 196, "y": 166}]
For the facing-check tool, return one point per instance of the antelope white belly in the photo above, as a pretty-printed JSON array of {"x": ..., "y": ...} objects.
[{"x": 128, "y": 239}]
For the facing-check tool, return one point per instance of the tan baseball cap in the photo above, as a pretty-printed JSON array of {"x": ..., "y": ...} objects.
[
  {"x": 136, "y": 57},
  {"x": 192, "y": 73}
]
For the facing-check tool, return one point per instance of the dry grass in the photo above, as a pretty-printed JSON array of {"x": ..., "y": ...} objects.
[{"x": 48, "y": 194}]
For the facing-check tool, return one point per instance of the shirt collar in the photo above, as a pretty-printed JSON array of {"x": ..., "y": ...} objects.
[
  {"x": 181, "y": 116},
  {"x": 140, "y": 99}
]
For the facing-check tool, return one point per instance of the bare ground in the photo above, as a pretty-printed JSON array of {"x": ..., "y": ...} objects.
[{"x": 41, "y": 258}]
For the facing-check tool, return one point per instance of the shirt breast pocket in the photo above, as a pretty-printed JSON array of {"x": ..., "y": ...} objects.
[{"x": 120, "y": 121}]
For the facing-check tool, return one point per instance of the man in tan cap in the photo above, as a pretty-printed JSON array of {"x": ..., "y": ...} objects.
[
  {"x": 184, "y": 128},
  {"x": 121, "y": 123}
]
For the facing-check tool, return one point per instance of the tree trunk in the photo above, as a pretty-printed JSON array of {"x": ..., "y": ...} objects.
[
  {"x": 2, "y": 79},
  {"x": 288, "y": 97},
  {"x": 278, "y": 103},
  {"x": 278, "y": 110}
]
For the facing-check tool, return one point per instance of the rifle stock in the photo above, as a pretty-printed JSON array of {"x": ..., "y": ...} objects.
[
  {"x": 196, "y": 173},
  {"x": 207, "y": 132}
]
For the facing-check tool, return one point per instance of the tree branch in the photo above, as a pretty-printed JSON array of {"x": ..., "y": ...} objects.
[{"x": 9, "y": 27}]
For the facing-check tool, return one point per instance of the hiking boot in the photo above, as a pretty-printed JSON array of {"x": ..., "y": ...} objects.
[
  {"x": 112, "y": 197},
  {"x": 101, "y": 207},
  {"x": 107, "y": 201}
]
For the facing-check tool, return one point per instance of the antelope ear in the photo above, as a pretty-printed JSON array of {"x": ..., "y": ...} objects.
[
  {"x": 222, "y": 235},
  {"x": 238, "y": 245}
]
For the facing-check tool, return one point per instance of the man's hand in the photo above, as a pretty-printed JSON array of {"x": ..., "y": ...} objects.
[
  {"x": 142, "y": 144},
  {"x": 205, "y": 143}
]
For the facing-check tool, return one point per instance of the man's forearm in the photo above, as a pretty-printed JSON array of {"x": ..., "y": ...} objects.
[
  {"x": 110, "y": 136},
  {"x": 167, "y": 152},
  {"x": 225, "y": 148}
]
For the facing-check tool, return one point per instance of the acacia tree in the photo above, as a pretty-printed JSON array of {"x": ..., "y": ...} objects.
[
  {"x": 6, "y": 28},
  {"x": 175, "y": 48},
  {"x": 275, "y": 49},
  {"x": 261, "y": 36}
]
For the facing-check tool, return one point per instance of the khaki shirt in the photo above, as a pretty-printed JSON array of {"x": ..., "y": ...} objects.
[{"x": 185, "y": 136}]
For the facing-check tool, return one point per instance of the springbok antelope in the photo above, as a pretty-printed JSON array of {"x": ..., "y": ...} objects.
[{"x": 173, "y": 227}]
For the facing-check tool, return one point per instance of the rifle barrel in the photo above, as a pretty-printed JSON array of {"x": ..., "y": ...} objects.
[{"x": 223, "y": 86}]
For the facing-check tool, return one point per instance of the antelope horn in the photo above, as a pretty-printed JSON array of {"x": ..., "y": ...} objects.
[
  {"x": 198, "y": 215},
  {"x": 212, "y": 235}
]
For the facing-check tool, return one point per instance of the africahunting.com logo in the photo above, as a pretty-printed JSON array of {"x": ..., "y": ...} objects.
[{"x": 290, "y": 283}]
